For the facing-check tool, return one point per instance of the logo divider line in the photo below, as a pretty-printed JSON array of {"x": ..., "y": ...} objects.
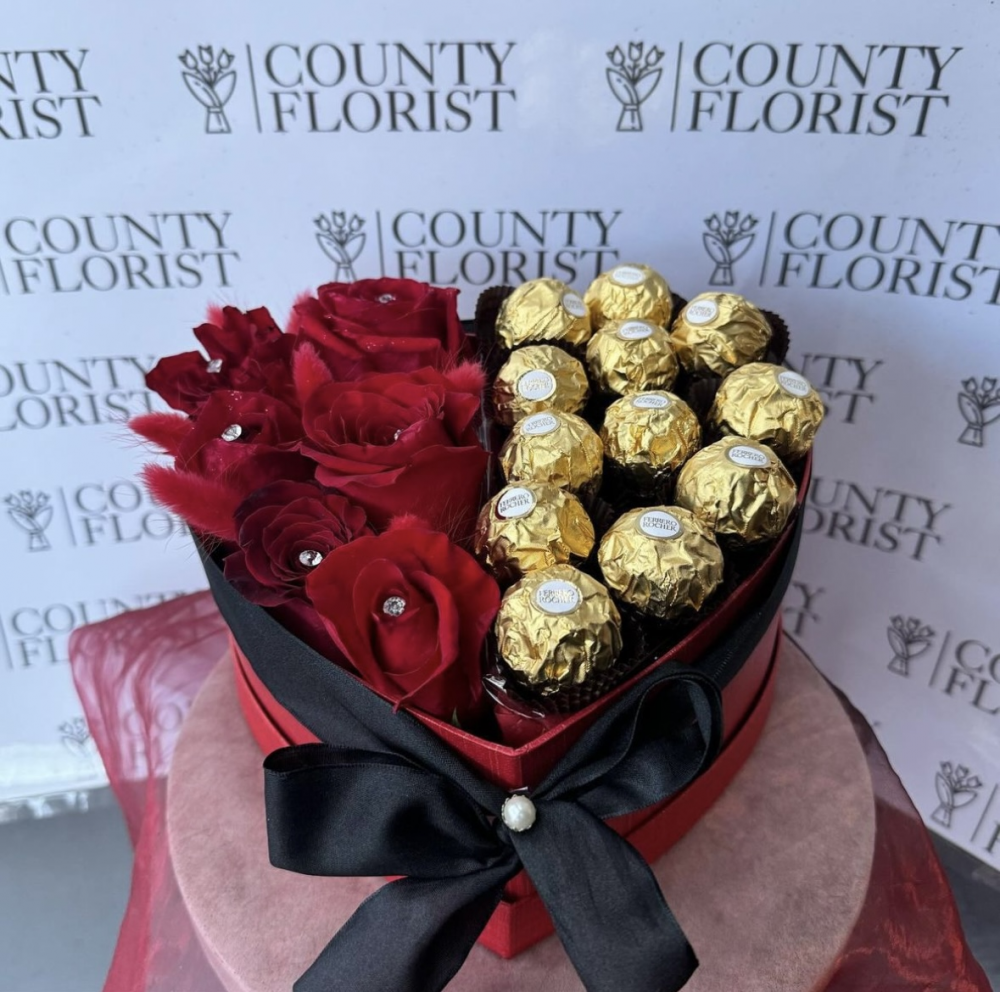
[
  {"x": 8, "y": 654},
  {"x": 69, "y": 520},
  {"x": 940, "y": 660},
  {"x": 767, "y": 247},
  {"x": 381, "y": 248},
  {"x": 677, "y": 85},
  {"x": 253, "y": 90},
  {"x": 982, "y": 818}
]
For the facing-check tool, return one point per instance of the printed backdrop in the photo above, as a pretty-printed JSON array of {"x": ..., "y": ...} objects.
[{"x": 833, "y": 162}]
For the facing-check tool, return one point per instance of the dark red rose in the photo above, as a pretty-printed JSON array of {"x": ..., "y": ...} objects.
[
  {"x": 410, "y": 611},
  {"x": 381, "y": 325},
  {"x": 401, "y": 442},
  {"x": 246, "y": 352},
  {"x": 284, "y": 531},
  {"x": 244, "y": 440}
]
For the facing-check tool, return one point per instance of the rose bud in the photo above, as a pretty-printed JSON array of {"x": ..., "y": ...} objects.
[
  {"x": 284, "y": 531},
  {"x": 246, "y": 352},
  {"x": 396, "y": 442},
  {"x": 381, "y": 325},
  {"x": 410, "y": 611}
]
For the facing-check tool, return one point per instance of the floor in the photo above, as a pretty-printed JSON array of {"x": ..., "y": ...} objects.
[{"x": 64, "y": 882}]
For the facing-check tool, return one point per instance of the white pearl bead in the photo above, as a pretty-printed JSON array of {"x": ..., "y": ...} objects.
[{"x": 518, "y": 813}]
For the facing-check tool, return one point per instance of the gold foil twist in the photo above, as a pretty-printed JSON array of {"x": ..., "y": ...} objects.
[
  {"x": 770, "y": 404},
  {"x": 650, "y": 432},
  {"x": 662, "y": 560},
  {"x": 739, "y": 489},
  {"x": 560, "y": 448},
  {"x": 539, "y": 377},
  {"x": 532, "y": 525},
  {"x": 629, "y": 356},
  {"x": 629, "y": 290},
  {"x": 718, "y": 332},
  {"x": 543, "y": 310},
  {"x": 556, "y": 627}
]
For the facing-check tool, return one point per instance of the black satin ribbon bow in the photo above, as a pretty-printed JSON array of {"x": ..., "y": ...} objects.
[{"x": 385, "y": 796}]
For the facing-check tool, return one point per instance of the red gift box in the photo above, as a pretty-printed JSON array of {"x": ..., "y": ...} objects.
[{"x": 521, "y": 919}]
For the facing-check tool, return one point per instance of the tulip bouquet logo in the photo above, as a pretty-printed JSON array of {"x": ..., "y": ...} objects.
[
  {"x": 211, "y": 82},
  {"x": 632, "y": 80},
  {"x": 909, "y": 639},
  {"x": 956, "y": 788},
  {"x": 727, "y": 241},
  {"x": 342, "y": 241},
  {"x": 77, "y": 739},
  {"x": 32, "y": 512},
  {"x": 980, "y": 405}
]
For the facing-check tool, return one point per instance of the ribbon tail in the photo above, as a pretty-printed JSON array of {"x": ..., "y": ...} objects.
[
  {"x": 412, "y": 935},
  {"x": 605, "y": 903}
]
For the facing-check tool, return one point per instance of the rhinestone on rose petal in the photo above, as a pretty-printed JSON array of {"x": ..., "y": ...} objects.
[
  {"x": 518, "y": 813},
  {"x": 232, "y": 432},
  {"x": 395, "y": 436},
  {"x": 310, "y": 558},
  {"x": 215, "y": 365},
  {"x": 387, "y": 298},
  {"x": 394, "y": 606}
]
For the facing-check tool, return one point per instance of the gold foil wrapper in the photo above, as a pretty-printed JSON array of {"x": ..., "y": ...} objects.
[
  {"x": 543, "y": 310},
  {"x": 532, "y": 525},
  {"x": 649, "y": 433},
  {"x": 560, "y": 448},
  {"x": 539, "y": 377},
  {"x": 628, "y": 356},
  {"x": 629, "y": 291},
  {"x": 557, "y": 628},
  {"x": 739, "y": 488},
  {"x": 770, "y": 404},
  {"x": 662, "y": 560},
  {"x": 718, "y": 332}
]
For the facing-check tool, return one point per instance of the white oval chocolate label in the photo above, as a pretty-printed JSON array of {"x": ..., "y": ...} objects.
[
  {"x": 539, "y": 423},
  {"x": 557, "y": 596},
  {"x": 747, "y": 457},
  {"x": 659, "y": 523},
  {"x": 536, "y": 385},
  {"x": 573, "y": 305},
  {"x": 627, "y": 275},
  {"x": 515, "y": 502},
  {"x": 635, "y": 330},
  {"x": 701, "y": 312},
  {"x": 650, "y": 401},
  {"x": 792, "y": 382}
]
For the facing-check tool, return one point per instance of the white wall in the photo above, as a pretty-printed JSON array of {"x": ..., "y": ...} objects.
[{"x": 496, "y": 149}]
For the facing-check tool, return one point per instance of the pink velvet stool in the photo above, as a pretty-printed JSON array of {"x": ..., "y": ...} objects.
[{"x": 767, "y": 886}]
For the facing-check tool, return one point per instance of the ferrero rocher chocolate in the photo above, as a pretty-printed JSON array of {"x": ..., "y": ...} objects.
[
  {"x": 662, "y": 560},
  {"x": 532, "y": 525},
  {"x": 629, "y": 291},
  {"x": 718, "y": 332},
  {"x": 770, "y": 404},
  {"x": 543, "y": 310},
  {"x": 627, "y": 356},
  {"x": 555, "y": 447},
  {"x": 650, "y": 433},
  {"x": 558, "y": 627},
  {"x": 739, "y": 488},
  {"x": 539, "y": 377}
]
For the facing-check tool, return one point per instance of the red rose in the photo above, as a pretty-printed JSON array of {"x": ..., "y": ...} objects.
[
  {"x": 284, "y": 531},
  {"x": 410, "y": 611},
  {"x": 381, "y": 325},
  {"x": 246, "y": 352},
  {"x": 244, "y": 440},
  {"x": 399, "y": 443}
]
